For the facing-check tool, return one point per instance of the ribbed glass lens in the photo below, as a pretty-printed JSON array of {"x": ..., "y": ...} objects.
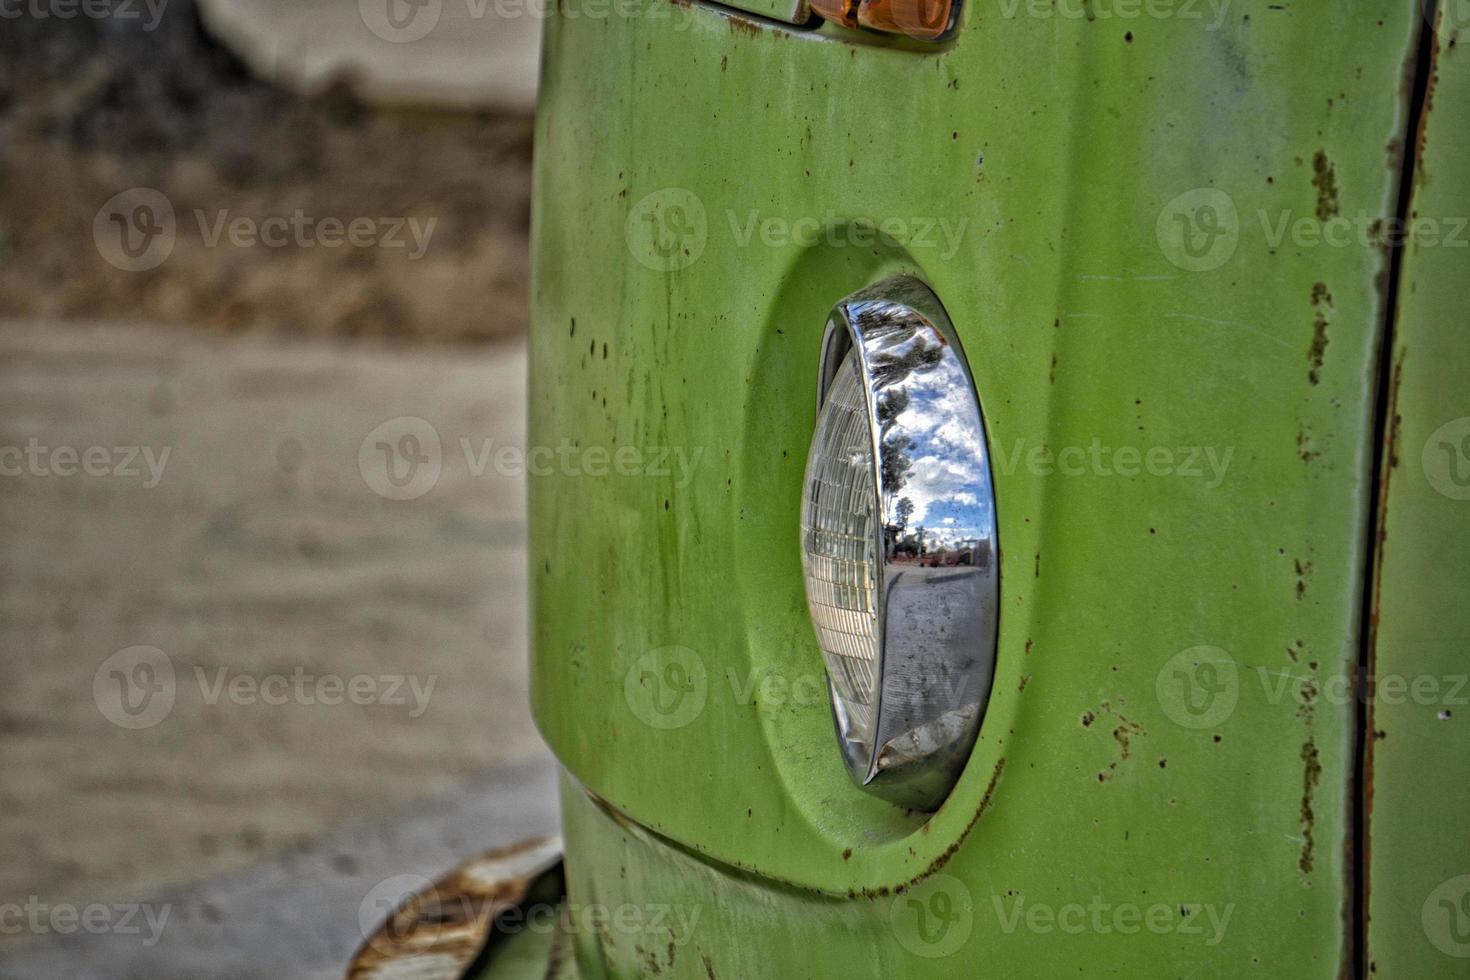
[{"x": 839, "y": 549}]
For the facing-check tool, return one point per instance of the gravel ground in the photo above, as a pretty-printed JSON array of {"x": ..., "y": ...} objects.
[{"x": 225, "y": 503}]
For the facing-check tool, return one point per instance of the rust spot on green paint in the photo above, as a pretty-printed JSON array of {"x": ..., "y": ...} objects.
[
  {"x": 1396, "y": 420},
  {"x": 739, "y": 25},
  {"x": 1303, "y": 447},
  {"x": 1303, "y": 573},
  {"x": 1307, "y": 706},
  {"x": 1311, "y": 775},
  {"x": 1321, "y": 303},
  {"x": 1324, "y": 178},
  {"x": 1124, "y": 733}
]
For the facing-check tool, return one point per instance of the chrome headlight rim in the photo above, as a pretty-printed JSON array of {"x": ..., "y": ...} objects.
[{"x": 931, "y": 690}]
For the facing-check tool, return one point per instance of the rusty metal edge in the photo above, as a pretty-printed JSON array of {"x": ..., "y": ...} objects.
[{"x": 444, "y": 931}]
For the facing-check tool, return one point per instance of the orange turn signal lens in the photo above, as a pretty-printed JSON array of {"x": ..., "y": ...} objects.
[
  {"x": 923, "y": 20},
  {"x": 842, "y": 12}
]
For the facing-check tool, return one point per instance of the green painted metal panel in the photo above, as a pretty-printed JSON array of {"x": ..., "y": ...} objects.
[
  {"x": 1419, "y": 788},
  {"x": 1125, "y": 218}
]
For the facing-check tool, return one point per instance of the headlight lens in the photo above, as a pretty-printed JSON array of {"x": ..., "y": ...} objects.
[
  {"x": 899, "y": 547},
  {"x": 839, "y": 529}
]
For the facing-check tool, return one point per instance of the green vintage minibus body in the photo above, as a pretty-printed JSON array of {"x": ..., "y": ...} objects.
[{"x": 1223, "y": 396}]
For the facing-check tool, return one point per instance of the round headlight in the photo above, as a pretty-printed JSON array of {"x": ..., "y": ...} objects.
[{"x": 899, "y": 544}]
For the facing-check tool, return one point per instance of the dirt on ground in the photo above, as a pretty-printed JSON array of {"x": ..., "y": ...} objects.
[{"x": 262, "y": 186}]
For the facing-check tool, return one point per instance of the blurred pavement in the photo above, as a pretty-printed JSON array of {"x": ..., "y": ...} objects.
[
  {"x": 300, "y": 915},
  {"x": 262, "y": 563}
]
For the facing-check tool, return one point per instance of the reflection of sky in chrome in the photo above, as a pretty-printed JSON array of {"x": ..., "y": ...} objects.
[{"x": 947, "y": 482}]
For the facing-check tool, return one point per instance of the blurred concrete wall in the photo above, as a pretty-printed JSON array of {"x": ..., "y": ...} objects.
[{"x": 456, "y": 53}]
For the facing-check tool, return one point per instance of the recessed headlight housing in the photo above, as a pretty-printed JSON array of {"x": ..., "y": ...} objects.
[{"x": 898, "y": 543}]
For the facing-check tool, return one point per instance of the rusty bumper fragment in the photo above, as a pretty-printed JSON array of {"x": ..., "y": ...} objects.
[{"x": 447, "y": 930}]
